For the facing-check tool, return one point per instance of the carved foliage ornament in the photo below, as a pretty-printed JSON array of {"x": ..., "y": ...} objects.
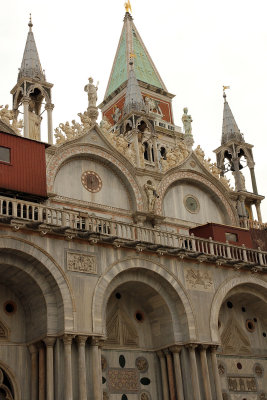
[{"x": 175, "y": 157}]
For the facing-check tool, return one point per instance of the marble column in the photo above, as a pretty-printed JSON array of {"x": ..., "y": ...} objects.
[
  {"x": 205, "y": 372},
  {"x": 216, "y": 373},
  {"x": 170, "y": 374},
  {"x": 178, "y": 373},
  {"x": 49, "y": 342},
  {"x": 164, "y": 378},
  {"x": 41, "y": 352},
  {"x": 34, "y": 371},
  {"x": 253, "y": 179},
  {"x": 67, "y": 340},
  {"x": 49, "y": 108},
  {"x": 194, "y": 372},
  {"x": 96, "y": 363},
  {"x": 26, "y": 122},
  {"x": 258, "y": 209},
  {"x": 82, "y": 367}
]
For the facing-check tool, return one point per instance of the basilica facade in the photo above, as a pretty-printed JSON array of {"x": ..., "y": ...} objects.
[{"x": 131, "y": 269}]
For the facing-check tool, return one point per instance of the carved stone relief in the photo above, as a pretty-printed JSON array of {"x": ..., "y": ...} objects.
[
  {"x": 3, "y": 331},
  {"x": 78, "y": 262},
  {"x": 141, "y": 364},
  {"x": 198, "y": 280},
  {"x": 242, "y": 384}
]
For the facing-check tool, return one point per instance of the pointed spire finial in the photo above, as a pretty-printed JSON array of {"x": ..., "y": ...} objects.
[{"x": 30, "y": 24}]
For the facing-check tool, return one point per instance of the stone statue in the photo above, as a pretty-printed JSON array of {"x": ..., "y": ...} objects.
[
  {"x": 116, "y": 115},
  {"x": 85, "y": 120},
  {"x": 242, "y": 180},
  {"x": 187, "y": 120},
  {"x": 151, "y": 194},
  {"x": 91, "y": 90},
  {"x": 6, "y": 115},
  {"x": 60, "y": 138}
]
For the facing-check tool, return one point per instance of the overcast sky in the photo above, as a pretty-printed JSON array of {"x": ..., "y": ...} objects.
[{"x": 197, "y": 47}]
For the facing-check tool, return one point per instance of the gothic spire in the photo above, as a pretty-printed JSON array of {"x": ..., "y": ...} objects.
[
  {"x": 133, "y": 99},
  {"x": 230, "y": 130},
  {"x": 131, "y": 43},
  {"x": 30, "y": 65}
]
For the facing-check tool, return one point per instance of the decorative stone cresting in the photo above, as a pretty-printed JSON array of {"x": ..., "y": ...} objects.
[
  {"x": 59, "y": 158},
  {"x": 164, "y": 185}
]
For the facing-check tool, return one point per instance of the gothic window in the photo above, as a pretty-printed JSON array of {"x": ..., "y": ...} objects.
[
  {"x": 163, "y": 153},
  {"x": 146, "y": 152}
]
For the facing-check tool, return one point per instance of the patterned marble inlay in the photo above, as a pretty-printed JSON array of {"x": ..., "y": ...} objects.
[{"x": 123, "y": 380}]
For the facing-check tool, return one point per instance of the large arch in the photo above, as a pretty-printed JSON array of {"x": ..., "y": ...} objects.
[
  {"x": 199, "y": 179},
  {"x": 76, "y": 149},
  {"x": 221, "y": 294},
  {"x": 47, "y": 275},
  {"x": 148, "y": 272}
]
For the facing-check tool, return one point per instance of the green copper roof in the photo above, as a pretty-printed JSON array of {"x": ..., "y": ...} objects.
[
  {"x": 143, "y": 68},
  {"x": 145, "y": 71},
  {"x": 119, "y": 74}
]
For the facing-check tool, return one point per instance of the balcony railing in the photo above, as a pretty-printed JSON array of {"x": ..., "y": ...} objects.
[{"x": 84, "y": 225}]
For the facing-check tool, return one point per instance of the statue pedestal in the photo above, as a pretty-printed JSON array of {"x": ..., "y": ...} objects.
[{"x": 92, "y": 113}]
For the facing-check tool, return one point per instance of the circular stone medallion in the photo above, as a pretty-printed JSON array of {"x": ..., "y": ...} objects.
[
  {"x": 191, "y": 204},
  {"x": 145, "y": 396},
  {"x": 141, "y": 364},
  {"x": 91, "y": 181}
]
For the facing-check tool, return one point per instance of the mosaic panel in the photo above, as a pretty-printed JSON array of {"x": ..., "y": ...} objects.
[{"x": 242, "y": 384}]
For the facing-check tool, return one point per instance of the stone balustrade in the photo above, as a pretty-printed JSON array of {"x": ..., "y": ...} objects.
[{"x": 83, "y": 225}]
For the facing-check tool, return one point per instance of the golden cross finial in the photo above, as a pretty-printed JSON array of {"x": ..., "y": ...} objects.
[{"x": 127, "y": 6}]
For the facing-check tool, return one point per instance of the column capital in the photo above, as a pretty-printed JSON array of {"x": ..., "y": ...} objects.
[
  {"x": 192, "y": 346},
  {"x": 81, "y": 339},
  {"x": 67, "y": 339},
  {"x": 25, "y": 99},
  {"x": 176, "y": 348},
  {"x": 49, "y": 106},
  {"x": 167, "y": 352},
  {"x": 96, "y": 341},
  {"x": 160, "y": 354},
  {"x": 49, "y": 341},
  {"x": 214, "y": 347},
  {"x": 33, "y": 348},
  {"x": 204, "y": 347}
]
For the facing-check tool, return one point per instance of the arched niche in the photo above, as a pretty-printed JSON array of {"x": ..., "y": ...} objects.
[
  {"x": 238, "y": 288},
  {"x": 37, "y": 285},
  {"x": 137, "y": 273},
  {"x": 94, "y": 180}
]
